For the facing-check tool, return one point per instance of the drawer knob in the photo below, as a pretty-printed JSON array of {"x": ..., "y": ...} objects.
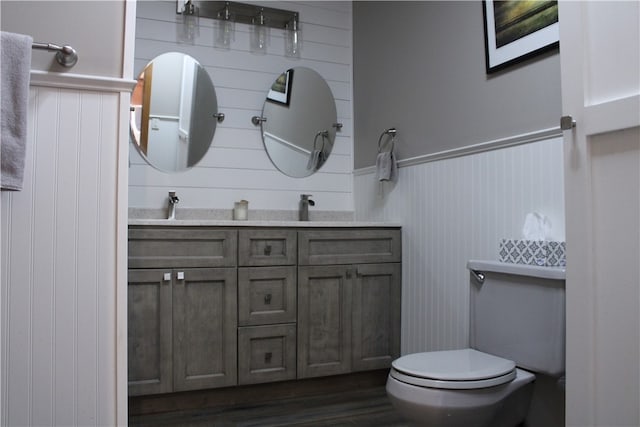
[
  {"x": 267, "y": 299},
  {"x": 267, "y": 357},
  {"x": 267, "y": 250}
]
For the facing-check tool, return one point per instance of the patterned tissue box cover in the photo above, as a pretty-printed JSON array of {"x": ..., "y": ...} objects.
[{"x": 533, "y": 252}]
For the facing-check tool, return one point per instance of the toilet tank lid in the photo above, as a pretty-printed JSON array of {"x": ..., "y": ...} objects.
[{"x": 554, "y": 273}]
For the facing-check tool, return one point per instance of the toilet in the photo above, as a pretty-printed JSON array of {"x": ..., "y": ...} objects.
[{"x": 517, "y": 329}]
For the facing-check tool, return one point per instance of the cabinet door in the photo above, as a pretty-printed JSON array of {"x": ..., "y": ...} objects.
[
  {"x": 204, "y": 322},
  {"x": 149, "y": 332},
  {"x": 376, "y": 316},
  {"x": 324, "y": 321}
]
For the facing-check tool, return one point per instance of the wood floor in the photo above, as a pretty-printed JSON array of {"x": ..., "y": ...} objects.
[{"x": 360, "y": 407}]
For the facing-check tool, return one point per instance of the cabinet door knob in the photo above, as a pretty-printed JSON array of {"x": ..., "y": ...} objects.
[
  {"x": 267, "y": 250},
  {"x": 180, "y": 275},
  {"x": 267, "y": 357},
  {"x": 166, "y": 277},
  {"x": 349, "y": 273},
  {"x": 267, "y": 299}
]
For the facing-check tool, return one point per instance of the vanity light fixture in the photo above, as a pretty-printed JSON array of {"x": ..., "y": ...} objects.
[{"x": 261, "y": 18}]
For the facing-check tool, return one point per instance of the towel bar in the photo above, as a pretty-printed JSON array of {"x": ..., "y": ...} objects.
[{"x": 65, "y": 55}]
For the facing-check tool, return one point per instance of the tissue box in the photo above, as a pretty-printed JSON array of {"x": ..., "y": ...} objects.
[{"x": 533, "y": 252}]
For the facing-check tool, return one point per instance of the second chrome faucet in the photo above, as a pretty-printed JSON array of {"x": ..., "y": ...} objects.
[
  {"x": 305, "y": 202},
  {"x": 173, "y": 201}
]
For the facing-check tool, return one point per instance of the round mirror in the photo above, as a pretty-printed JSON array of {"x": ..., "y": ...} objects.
[
  {"x": 299, "y": 122},
  {"x": 173, "y": 112}
]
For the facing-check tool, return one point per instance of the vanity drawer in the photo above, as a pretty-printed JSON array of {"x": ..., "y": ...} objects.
[
  {"x": 350, "y": 246},
  {"x": 266, "y": 353},
  {"x": 266, "y": 295},
  {"x": 266, "y": 247},
  {"x": 175, "y": 247}
]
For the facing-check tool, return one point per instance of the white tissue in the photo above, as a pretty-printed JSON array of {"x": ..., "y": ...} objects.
[{"x": 536, "y": 227}]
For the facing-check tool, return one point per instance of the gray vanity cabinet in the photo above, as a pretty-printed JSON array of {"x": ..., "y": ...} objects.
[
  {"x": 349, "y": 290},
  {"x": 182, "y": 332},
  {"x": 215, "y": 306}
]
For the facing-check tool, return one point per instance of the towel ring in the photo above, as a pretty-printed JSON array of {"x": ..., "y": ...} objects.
[{"x": 390, "y": 131}]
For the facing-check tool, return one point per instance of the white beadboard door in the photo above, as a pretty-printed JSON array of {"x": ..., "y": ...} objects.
[
  {"x": 59, "y": 239},
  {"x": 600, "y": 65}
]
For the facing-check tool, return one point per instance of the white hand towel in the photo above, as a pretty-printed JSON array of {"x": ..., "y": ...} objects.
[
  {"x": 386, "y": 167},
  {"x": 15, "y": 59}
]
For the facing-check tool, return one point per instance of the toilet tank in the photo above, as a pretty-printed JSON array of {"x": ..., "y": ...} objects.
[{"x": 518, "y": 312}]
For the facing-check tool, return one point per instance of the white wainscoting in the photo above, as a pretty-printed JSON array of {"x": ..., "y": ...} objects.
[
  {"x": 237, "y": 167},
  {"x": 59, "y": 275},
  {"x": 453, "y": 210}
]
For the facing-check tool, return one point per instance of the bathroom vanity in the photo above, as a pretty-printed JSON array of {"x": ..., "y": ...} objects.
[{"x": 214, "y": 305}]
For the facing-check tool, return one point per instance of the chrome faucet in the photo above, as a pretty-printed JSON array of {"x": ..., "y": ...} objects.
[
  {"x": 173, "y": 201},
  {"x": 305, "y": 202}
]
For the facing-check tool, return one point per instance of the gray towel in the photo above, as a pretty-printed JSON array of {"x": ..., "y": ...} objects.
[
  {"x": 15, "y": 59},
  {"x": 316, "y": 159},
  {"x": 386, "y": 167}
]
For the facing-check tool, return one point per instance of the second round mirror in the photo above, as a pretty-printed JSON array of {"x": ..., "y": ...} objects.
[{"x": 299, "y": 122}]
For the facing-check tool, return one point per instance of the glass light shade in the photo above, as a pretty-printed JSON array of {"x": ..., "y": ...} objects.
[
  {"x": 225, "y": 34},
  {"x": 259, "y": 35},
  {"x": 292, "y": 42},
  {"x": 190, "y": 28}
]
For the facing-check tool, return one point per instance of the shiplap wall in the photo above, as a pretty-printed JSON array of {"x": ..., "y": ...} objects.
[
  {"x": 59, "y": 239},
  {"x": 454, "y": 210},
  {"x": 236, "y": 166}
]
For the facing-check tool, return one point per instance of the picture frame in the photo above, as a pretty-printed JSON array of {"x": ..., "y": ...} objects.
[
  {"x": 280, "y": 91},
  {"x": 516, "y": 31}
]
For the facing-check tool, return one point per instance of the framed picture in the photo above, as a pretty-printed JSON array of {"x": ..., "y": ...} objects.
[
  {"x": 516, "y": 30},
  {"x": 280, "y": 91}
]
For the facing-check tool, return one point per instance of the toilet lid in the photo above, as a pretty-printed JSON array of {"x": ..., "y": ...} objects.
[{"x": 459, "y": 369}]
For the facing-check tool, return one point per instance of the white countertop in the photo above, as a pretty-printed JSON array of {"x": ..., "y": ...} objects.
[{"x": 261, "y": 223}]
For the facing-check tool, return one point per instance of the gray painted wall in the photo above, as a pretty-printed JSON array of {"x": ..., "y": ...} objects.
[
  {"x": 420, "y": 66},
  {"x": 94, "y": 28}
]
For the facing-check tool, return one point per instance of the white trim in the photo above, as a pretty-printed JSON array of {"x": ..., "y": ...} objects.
[
  {"x": 122, "y": 214},
  {"x": 129, "y": 39},
  {"x": 496, "y": 144},
  {"x": 622, "y": 113},
  {"x": 81, "y": 81},
  {"x": 122, "y": 218}
]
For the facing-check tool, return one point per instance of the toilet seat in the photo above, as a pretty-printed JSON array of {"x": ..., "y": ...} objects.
[{"x": 453, "y": 369}]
